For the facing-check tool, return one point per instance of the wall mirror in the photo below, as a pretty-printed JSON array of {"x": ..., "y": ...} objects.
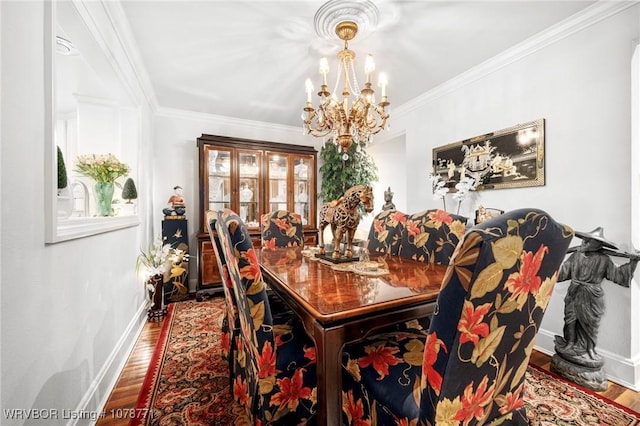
[{"x": 90, "y": 112}]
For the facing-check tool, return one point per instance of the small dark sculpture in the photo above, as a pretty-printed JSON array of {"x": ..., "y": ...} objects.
[
  {"x": 588, "y": 265},
  {"x": 388, "y": 200}
]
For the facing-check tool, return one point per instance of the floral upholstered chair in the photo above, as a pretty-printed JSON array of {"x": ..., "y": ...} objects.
[
  {"x": 386, "y": 231},
  {"x": 281, "y": 228},
  {"x": 431, "y": 236},
  {"x": 230, "y": 327},
  {"x": 275, "y": 373},
  {"x": 470, "y": 367}
]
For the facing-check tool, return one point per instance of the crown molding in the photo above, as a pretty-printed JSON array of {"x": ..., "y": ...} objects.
[
  {"x": 122, "y": 30},
  {"x": 389, "y": 135},
  {"x": 591, "y": 15},
  {"x": 224, "y": 120}
]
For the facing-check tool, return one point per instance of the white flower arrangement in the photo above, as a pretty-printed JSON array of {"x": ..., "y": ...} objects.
[
  {"x": 439, "y": 189},
  {"x": 466, "y": 184},
  {"x": 159, "y": 258},
  {"x": 101, "y": 168},
  {"x": 155, "y": 258}
]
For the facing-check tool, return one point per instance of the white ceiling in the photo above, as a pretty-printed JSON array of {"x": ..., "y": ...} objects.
[{"x": 249, "y": 59}]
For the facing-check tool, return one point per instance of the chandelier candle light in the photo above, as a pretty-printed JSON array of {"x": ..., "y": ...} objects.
[{"x": 356, "y": 122}]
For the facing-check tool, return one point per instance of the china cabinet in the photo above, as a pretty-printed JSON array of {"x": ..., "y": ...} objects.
[{"x": 251, "y": 177}]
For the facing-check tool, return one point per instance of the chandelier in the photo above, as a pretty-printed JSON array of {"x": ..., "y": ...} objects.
[{"x": 356, "y": 117}]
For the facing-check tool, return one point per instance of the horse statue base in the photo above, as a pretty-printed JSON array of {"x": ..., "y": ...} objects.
[{"x": 341, "y": 259}]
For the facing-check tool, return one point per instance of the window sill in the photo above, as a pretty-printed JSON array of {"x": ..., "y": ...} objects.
[{"x": 80, "y": 227}]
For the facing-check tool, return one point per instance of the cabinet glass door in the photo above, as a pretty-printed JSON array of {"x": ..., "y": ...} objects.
[
  {"x": 218, "y": 188},
  {"x": 249, "y": 165},
  {"x": 277, "y": 182},
  {"x": 301, "y": 187}
]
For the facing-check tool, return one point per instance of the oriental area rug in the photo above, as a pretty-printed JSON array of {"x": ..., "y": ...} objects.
[{"x": 187, "y": 382}]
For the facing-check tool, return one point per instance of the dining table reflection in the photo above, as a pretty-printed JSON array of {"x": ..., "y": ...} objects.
[{"x": 340, "y": 303}]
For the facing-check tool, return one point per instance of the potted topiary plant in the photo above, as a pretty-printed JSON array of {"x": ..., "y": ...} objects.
[
  {"x": 62, "y": 171},
  {"x": 64, "y": 196},
  {"x": 129, "y": 191}
]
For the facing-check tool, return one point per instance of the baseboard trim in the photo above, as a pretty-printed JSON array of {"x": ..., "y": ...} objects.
[
  {"x": 620, "y": 370},
  {"x": 98, "y": 393}
]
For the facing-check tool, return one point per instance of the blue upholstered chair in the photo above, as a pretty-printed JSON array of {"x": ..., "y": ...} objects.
[
  {"x": 470, "y": 366},
  {"x": 386, "y": 231},
  {"x": 230, "y": 326},
  {"x": 431, "y": 236},
  {"x": 281, "y": 228},
  {"x": 275, "y": 373}
]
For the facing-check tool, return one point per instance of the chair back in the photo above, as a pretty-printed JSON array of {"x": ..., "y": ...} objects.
[
  {"x": 250, "y": 294},
  {"x": 386, "y": 232},
  {"x": 431, "y": 236},
  {"x": 231, "y": 320},
  {"x": 489, "y": 309},
  {"x": 281, "y": 228},
  {"x": 276, "y": 358}
]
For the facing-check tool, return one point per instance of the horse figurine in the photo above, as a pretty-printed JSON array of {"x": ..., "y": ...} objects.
[{"x": 343, "y": 216}]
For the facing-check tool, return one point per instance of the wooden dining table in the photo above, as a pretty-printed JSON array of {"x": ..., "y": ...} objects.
[{"x": 343, "y": 303}]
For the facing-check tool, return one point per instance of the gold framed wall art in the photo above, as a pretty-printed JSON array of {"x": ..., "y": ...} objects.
[{"x": 508, "y": 158}]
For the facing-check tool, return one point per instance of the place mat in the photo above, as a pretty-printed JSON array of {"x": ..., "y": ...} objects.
[
  {"x": 359, "y": 268},
  {"x": 340, "y": 267},
  {"x": 310, "y": 251}
]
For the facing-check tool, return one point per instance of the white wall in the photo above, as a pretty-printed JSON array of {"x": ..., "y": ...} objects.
[
  {"x": 388, "y": 151},
  {"x": 70, "y": 311},
  {"x": 581, "y": 85}
]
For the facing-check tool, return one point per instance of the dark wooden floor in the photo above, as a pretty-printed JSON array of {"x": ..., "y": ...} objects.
[
  {"x": 125, "y": 394},
  {"x": 122, "y": 401}
]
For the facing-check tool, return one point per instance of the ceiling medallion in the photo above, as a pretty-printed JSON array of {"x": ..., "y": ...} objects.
[{"x": 364, "y": 13}]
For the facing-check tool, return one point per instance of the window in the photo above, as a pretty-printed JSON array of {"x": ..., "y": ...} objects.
[{"x": 90, "y": 111}]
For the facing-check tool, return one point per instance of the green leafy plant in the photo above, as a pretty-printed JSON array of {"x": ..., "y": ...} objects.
[
  {"x": 340, "y": 174},
  {"x": 62, "y": 171},
  {"x": 129, "y": 191}
]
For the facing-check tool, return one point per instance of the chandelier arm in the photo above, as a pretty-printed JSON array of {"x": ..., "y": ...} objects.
[
  {"x": 371, "y": 119},
  {"x": 319, "y": 123},
  {"x": 380, "y": 111},
  {"x": 379, "y": 119},
  {"x": 315, "y": 127}
]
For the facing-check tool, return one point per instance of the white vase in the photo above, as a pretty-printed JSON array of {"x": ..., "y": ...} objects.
[
  {"x": 64, "y": 203},
  {"x": 127, "y": 209}
]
